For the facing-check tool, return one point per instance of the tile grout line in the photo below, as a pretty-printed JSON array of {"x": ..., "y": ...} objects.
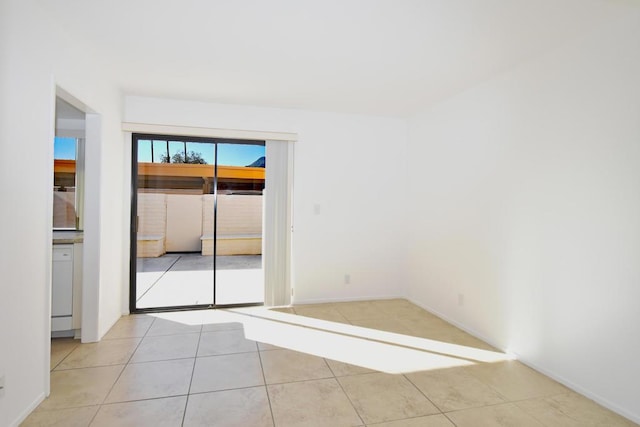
[
  {"x": 302, "y": 381},
  {"x": 491, "y": 405},
  {"x": 120, "y": 374},
  {"x": 347, "y": 396},
  {"x": 104, "y": 365},
  {"x": 141, "y": 399},
  {"x": 450, "y": 420},
  {"x": 266, "y": 389},
  {"x": 63, "y": 359},
  {"x": 488, "y": 405},
  {"x": 196, "y": 393},
  {"x": 526, "y": 399},
  {"x": 422, "y": 393},
  {"x": 136, "y": 362},
  {"x": 193, "y": 370}
]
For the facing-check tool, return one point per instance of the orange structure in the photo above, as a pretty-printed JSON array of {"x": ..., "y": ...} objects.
[
  {"x": 181, "y": 176},
  {"x": 199, "y": 171}
]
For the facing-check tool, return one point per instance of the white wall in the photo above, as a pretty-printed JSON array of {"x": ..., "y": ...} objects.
[
  {"x": 351, "y": 166},
  {"x": 525, "y": 200},
  {"x": 35, "y": 56}
]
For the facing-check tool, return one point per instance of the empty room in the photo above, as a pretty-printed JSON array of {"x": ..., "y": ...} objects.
[{"x": 320, "y": 213}]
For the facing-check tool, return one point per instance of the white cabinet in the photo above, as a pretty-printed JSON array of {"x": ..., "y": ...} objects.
[{"x": 62, "y": 288}]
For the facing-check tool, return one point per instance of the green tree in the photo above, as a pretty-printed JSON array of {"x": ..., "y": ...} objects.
[{"x": 192, "y": 158}]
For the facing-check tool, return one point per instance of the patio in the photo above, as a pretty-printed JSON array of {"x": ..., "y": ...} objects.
[{"x": 185, "y": 279}]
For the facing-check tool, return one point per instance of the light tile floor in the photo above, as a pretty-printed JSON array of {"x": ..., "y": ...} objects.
[{"x": 375, "y": 363}]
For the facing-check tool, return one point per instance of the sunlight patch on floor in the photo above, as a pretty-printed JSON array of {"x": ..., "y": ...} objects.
[{"x": 369, "y": 348}]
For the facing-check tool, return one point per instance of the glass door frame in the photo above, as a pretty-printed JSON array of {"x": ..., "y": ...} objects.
[{"x": 135, "y": 137}]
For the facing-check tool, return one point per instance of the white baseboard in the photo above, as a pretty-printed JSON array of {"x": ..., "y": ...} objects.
[
  {"x": 578, "y": 389},
  {"x": 24, "y": 414},
  {"x": 553, "y": 375},
  {"x": 457, "y": 324},
  {"x": 347, "y": 299}
]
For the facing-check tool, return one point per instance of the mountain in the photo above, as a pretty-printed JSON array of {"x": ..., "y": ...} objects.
[{"x": 260, "y": 163}]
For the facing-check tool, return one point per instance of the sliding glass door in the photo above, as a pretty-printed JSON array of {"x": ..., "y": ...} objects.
[
  {"x": 239, "y": 223},
  {"x": 196, "y": 230}
]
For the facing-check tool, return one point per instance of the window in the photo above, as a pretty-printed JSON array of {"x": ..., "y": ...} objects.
[{"x": 67, "y": 183}]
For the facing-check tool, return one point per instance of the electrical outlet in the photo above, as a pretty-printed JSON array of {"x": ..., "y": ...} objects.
[
  {"x": 460, "y": 299},
  {"x": 347, "y": 279}
]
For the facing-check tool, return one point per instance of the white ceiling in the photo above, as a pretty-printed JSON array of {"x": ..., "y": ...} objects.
[{"x": 382, "y": 57}]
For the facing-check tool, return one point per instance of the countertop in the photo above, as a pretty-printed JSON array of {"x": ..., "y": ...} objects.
[{"x": 67, "y": 237}]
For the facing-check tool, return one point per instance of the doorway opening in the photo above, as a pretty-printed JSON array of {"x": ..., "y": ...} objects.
[{"x": 196, "y": 222}]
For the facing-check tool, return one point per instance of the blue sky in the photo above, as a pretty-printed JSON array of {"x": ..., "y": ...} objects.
[
  {"x": 64, "y": 148},
  {"x": 228, "y": 154}
]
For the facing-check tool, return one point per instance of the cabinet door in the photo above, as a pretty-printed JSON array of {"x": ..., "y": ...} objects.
[{"x": 62, "y": 281}]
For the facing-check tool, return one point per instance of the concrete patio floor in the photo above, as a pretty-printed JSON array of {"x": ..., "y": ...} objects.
[{"x": 187, "y": 279}]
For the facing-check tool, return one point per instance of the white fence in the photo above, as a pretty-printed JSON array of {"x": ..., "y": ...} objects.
[{"x": 184, "y": 223}]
